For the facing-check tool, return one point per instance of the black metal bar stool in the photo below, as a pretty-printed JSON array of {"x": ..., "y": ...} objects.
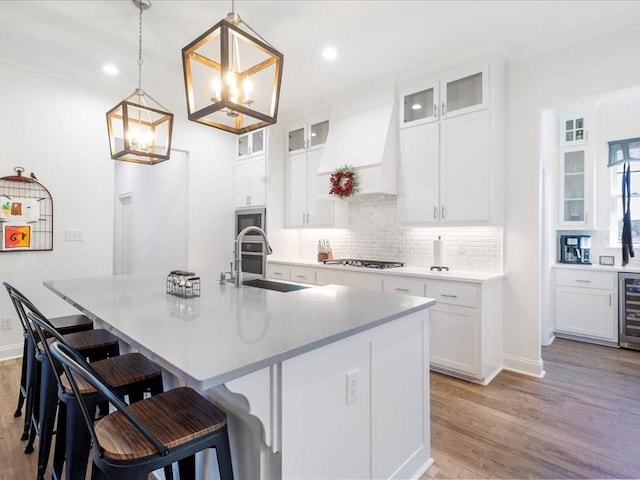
[
  {"x": 94, "y": 344},
  {"x": 65, "y": 324},
  {"x": 129, "y": 375},
  {"x": 153, "y": 433}
]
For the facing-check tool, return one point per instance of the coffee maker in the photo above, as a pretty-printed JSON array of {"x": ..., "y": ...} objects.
[{"x": 575, "y": 249}]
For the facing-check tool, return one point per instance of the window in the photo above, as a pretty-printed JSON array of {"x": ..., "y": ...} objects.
[{"x": 616, "y": 201}]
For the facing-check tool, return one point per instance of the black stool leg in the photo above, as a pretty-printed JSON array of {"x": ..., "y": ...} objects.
[
  {"x": 78, "y": 439},
  {"x": 30, "y": 387},
  {"x": 61, "y": 441},
  {"x": 23, "y": 381},
  {"x": 48, "y": 407},
  {"x": 187, "y": 468},
  {"x": 223, "y": 452}
]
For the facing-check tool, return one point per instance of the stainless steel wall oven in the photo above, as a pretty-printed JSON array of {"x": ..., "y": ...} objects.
[{"x": 253, "y": 257}]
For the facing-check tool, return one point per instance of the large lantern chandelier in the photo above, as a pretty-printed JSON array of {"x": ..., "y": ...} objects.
[
  {"x": 139, "y": 127},
  {"x": 232, "y": 77}
]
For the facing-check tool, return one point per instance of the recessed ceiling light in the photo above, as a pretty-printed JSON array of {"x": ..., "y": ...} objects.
[
  {"x": 416, "y": 106},
  {"x": 329, "y": 53},
  {"x": 110, "y": 69}
]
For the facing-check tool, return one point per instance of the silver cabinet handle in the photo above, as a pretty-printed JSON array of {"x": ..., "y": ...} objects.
[
  {"x": 583, "y": 281},
  {"x": 443, "y": 112},
  {"x": 610, "y": 300},
  {"x": 301, "y": 276},
  {"x": 435, "y": 212},
  {"x": 443, "y": 213},
  {"x": 435, "y": 110},
  {"x": 448, "y": 296},
  {"x": 402, "y": 289},
  {"x": 277, "y": 273},
  {"x": 308, "y": 217}
]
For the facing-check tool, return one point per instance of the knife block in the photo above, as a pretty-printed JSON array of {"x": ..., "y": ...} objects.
[{"x": 325, "y": 256}]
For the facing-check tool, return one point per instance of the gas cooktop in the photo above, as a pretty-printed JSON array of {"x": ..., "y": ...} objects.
[{"x": 363, "y": 263}]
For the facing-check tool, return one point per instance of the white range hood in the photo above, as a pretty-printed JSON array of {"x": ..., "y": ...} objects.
[{"x": 364, "y": 135}]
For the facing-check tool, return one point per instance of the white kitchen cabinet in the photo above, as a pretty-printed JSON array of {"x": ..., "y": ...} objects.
[
  {"x": 466, "y": 329},
  {"x": 278, "y": 271},
  {"x": 445, "y": 172},
  {"x": 307, "y": 201},
  {"x": 405, "y": 285},
  {"x": 573, "y": 130},
  {"x": 586, "y": 305},
  {"x": 306, "y": 205},
  {"x": 576, "y": 189},
  {"x": 303, "y": 274},
  {"x": 251, "y": 181},
  {"x": 348, "y": 278},
  {"x": 454, "y": 92},
  {"x": 252, "y": 143}
]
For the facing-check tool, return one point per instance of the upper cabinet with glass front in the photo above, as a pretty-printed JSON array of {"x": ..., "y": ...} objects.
[
  {"x": 252, "y": 143},
  {"x": 576, "y": 209},
  {"x": 448, "y": 94},
  {"x": 307, "y": 136},
  {"x": 573, "y": 130}
]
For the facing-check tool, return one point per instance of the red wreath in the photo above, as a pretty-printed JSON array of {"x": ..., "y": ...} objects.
[{"x": 343, "y": 182}]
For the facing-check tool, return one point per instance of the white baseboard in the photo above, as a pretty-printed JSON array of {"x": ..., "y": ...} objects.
[
  {"x": 11, "y": 351},
  {"x": 524, "y": 365}
]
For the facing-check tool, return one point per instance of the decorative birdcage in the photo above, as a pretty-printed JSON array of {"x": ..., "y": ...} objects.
[{"x": 26, "y": 214}]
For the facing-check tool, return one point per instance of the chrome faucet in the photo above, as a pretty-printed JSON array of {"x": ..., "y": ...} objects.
[{"x": 237, "y": 278}]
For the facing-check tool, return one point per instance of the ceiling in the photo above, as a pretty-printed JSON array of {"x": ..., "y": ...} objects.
[{"x": 376, "y": 39}]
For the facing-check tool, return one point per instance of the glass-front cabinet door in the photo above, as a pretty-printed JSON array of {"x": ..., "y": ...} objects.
[
  {"x": 419, "y": 102},
  {"x": 576, "y": 189},
  {"x": 307, "y": 136},
  {"x": 464, "y": 90},
  {"x": 252, "y": 143}
]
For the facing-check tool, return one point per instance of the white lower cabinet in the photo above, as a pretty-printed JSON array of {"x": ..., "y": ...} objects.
[
  {"x": 586, "y": 305},
  {"x": 368, "y": 281},
  {"x": 465, "y": 324},
  {"x": 466, "y": 329}
]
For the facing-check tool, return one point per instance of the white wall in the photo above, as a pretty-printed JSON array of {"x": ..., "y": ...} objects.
[
  {"x": 603, "y": 62},
  {"x": 57, "y": 129}
]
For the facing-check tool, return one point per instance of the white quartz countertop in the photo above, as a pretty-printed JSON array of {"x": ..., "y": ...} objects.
[
  {"x": 465, "y": 276},
  {"x": 228, "y": 332}
]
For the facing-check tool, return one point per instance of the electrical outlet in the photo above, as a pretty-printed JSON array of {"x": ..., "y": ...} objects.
[
  {"x": 74, "y": 235},
  {"x": 353, "y": 386},
  {"x": 7, "y": 323}
]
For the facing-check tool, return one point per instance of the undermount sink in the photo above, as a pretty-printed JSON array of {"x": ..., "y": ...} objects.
[{"x": 271, "y": 285}]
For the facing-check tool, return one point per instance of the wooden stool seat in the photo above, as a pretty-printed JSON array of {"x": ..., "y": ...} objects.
[
  {"x": 117, "y": 371},
  {"x": 91, "y": 340},
  {"x": 72, "y": 323},
  {"x": 174, "y": 417}
]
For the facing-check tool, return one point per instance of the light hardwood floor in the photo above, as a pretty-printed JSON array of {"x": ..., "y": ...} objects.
[{"x": 581, "y": 421}]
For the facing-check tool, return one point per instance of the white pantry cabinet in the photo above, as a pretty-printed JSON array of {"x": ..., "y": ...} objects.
[
  {"x": 466, "y": 329},
  {"x": 445, "y": 171},
  {"x": 586, "y": 305},
  {"x": 307, "y": 201},
  {"x": 454, "y": 92},
  {"x": 251, "y": 169},
  {"x": 251, "y": 181}
]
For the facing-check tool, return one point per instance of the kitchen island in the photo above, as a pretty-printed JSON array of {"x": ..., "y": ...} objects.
[{"x": 325, "y": 382}]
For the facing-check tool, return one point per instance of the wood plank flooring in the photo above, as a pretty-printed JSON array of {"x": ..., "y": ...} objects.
[{"x": 581, "y": 421}]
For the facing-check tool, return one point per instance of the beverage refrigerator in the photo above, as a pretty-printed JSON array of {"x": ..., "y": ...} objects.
[{"x": 629, "y": 310}]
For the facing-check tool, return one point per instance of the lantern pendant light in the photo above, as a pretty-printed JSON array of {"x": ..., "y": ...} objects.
[
  {"x": 232, "y": 77},
  {"x": 139, "y": 127}
]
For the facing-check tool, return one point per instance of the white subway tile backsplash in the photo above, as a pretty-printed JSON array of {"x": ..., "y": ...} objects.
[{"x": 374, "y": 234}]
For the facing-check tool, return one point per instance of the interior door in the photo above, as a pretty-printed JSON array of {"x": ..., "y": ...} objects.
[{"x": 123, "y": 256}]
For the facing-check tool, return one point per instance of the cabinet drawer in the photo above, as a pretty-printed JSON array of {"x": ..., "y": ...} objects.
[
  {"x": 408, "y": 286},
  {"x": 586, "y": 278},
  {"x": 278, "y": 272},
  {"x": 303, "y": 275},
  {"x": 453, "y": 293}
]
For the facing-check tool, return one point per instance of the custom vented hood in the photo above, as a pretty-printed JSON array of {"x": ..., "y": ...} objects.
[{"x": 363, "y": 134}]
